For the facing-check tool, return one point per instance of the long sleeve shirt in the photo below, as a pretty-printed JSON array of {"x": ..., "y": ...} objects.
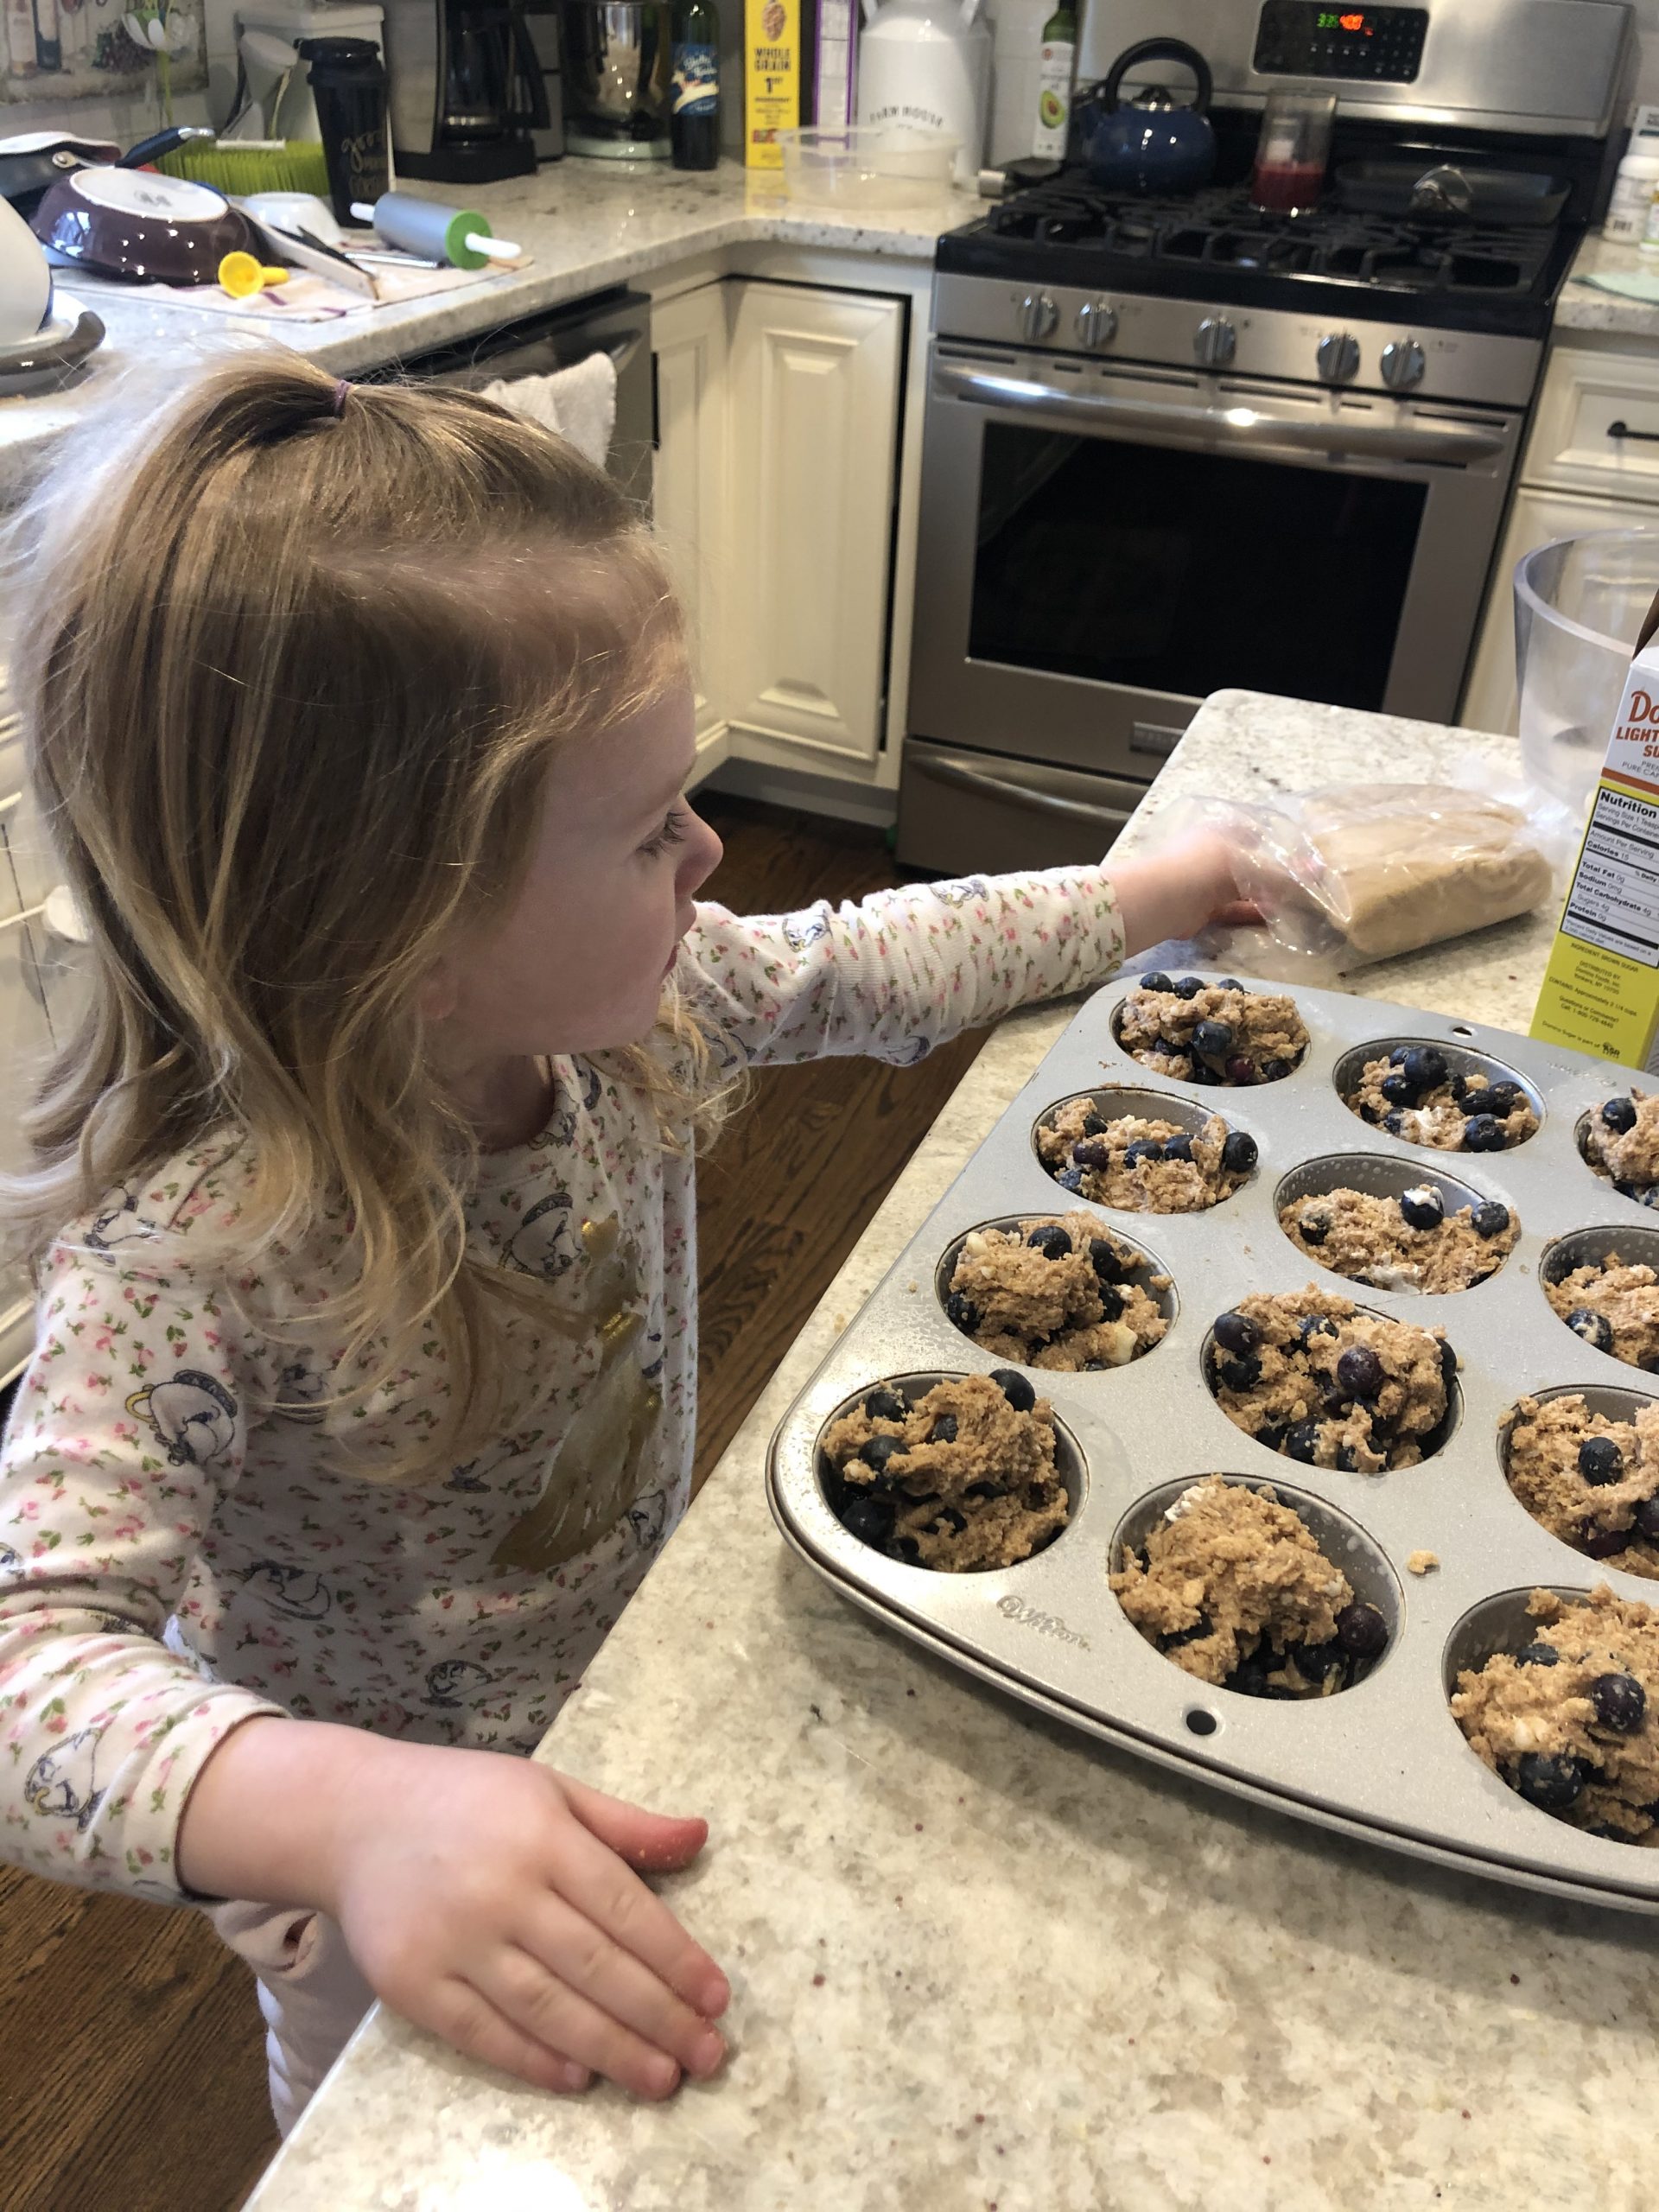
[{"x": 176, "y": 1557}]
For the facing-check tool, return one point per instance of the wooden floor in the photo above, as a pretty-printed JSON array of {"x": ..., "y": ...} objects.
[{"x": 131, "y": 2062}]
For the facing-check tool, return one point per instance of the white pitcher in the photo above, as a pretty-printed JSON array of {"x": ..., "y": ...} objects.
[{"x": 927, "y": 63}]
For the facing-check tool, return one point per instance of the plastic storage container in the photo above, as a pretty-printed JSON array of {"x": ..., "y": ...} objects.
[
  {"x": 1579, "y": 603},
  {"x": 868, "y": 165}
]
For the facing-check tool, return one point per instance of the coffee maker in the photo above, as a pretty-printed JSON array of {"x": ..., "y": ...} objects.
[{"x": 467, "y": 90}]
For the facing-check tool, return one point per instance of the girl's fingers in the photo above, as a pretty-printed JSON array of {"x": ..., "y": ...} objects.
[
  {"x": 548, "y": 2013},
  {"x": 594, "y": 1880},
  {"x": 657, "y": 1843},
  {"x": 582, "y": 1955},
  {"x": 465, "y": 2018}
]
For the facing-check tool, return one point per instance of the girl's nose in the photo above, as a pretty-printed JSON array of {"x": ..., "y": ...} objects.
[{"x": 702, "y": 856}]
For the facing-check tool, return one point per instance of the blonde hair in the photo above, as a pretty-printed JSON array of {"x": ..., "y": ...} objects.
[{"x": 292, "y": 662}]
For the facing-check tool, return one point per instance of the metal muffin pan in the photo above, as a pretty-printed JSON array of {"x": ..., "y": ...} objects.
[{"x": 1383, "y": 1760}]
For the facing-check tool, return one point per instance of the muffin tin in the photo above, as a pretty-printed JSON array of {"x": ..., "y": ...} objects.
[{"x": 1385, "y": 1761}]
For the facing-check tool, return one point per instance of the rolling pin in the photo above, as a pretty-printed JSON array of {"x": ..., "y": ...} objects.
[{"x": 435, "y": 232}]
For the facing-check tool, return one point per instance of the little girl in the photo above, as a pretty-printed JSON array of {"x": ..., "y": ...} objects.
[{"x": 361, "y": 1200}]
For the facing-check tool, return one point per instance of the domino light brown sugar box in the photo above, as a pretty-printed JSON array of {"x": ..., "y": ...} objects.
[{"x": 1600, "y": 992}]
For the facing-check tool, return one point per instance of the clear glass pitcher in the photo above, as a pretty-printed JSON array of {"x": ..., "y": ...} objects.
[{"x": 1579, "y": 603}]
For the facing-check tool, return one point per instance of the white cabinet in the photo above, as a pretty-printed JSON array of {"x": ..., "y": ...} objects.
[{"x": 688, "y": 500}]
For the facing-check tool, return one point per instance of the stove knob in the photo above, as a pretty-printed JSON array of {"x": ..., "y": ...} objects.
[
  {"x": 1038, "y": 317},
  {"x": 1215, "y": 341},
  {"x": 1097, "y": 324},
  {"x": 1339, "y": 358},
  {"x": 1402, "y": 365}
]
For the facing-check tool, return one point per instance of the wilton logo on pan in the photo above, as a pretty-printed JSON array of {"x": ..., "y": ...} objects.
[{"x": 1025, "y": 1616}]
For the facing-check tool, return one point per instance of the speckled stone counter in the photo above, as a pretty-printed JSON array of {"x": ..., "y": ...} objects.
[
  {"x": 585, "y": 225},
  {"x": 1585, "y": 306},
  {"x": 980, "y": 1962}
]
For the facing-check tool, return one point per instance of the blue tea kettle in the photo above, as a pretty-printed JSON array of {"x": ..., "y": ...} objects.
[{"x": 1153, "y": 144}]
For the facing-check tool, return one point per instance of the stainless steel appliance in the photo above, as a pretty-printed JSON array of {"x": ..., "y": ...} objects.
[
  {"x": 618, "y": 78},
  {"x": 618, "y": 323},
  {"x": 1177, "y": 444},
  {"x": 467, "y": 90},
  {"x": 541, "y": 22}
]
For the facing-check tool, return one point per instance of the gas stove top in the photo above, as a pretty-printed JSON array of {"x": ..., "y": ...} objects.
[{"x": 1212, "y": 246}]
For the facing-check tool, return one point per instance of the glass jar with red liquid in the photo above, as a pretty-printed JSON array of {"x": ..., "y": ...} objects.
[{"x": 1292, "y": 151}]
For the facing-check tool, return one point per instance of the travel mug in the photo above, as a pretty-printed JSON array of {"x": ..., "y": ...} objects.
[{"x": 348, "y": 85}]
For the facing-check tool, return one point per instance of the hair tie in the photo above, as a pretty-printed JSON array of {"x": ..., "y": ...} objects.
[{"x": 341, "y": 387}]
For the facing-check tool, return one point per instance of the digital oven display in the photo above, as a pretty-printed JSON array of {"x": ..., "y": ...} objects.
[{"x": 1302, "y": 38}]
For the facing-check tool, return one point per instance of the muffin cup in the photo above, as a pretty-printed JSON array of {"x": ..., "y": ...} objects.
[
  {"x": 1378, "y": 1176},
  {"x": 1460, "y": 1059},
  {"x": 1165, "y": 1300}
]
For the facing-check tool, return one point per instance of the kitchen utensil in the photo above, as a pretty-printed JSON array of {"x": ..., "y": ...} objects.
[
  {"x": 1579, "y": 603},
  {"x": 618, "y": 73},
  {"x": 25, "y": 280},
  {"x": 1383, "y": 1762},
  {"x": 48, "y": 359},
  {"x": 1288, "y": 174},
  {"x": 125, "y": 222},
  {"x": 927, "y": 63},
  {"x": 433, "y": 232},
  {"x": 34, "y": 159},
  {"x": 250, "y": 165},
  {"x": 874, "y": 165},
  {"x": 348, "y": 85},
  {"x": 1451, "y": 191},
  {"x": 244, "y": 277},
  {"x": 1153, "y": 142},
  {"x": 296, "y": 214}
]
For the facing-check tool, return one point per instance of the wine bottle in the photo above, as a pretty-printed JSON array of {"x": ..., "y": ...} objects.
[
  {"x": 1059, "y": 59},
  {"x": 693, "y": 119}
]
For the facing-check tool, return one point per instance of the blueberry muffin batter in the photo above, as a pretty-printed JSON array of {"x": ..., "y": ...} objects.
[
  {"x": 1410, "y": 1242},
  {"x": 962, "y": 1480},
  {"x": 1210, "y": 1033},
  {"x": 1413, "y": 1093},
  {"x": 1593, "y": 1482},
  {"x": 1621, "y": 1141},
  {"x": 1315, "y": 1379},
  {"x": 1612, "y": 1306},
  {"x": 1056, "y": 1293},
  {"x": 1568, "y": 1722},
  {"x": 1143, "y": 1165},
  {"x": 1233, "y": 1587}
]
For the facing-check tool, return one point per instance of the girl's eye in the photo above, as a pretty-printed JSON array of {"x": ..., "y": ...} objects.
[{"x": 671, "y": 832}]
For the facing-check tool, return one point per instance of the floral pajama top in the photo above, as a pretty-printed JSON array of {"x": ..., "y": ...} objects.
[{"x": 175, "y": 1558}]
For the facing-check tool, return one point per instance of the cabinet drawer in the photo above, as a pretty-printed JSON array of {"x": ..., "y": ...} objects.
[{"x": 1598, "y": 426}]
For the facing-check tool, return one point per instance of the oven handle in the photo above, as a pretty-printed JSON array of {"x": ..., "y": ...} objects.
[
  {"x": 1243, "y": 426},
  {"x": 982, "y": 785}
]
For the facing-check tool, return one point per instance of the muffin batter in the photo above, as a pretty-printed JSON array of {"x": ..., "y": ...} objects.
[
  {"x": 1142, "y": 1166},
  {"x": 962, "y": 1480},
  {"x": 1314, "y": 1378},
  {"x": 1568, "y": 1720},
  {"x": 1210, "y": 1033},
  {"x": 1612, "y": 1306},
  {"x": 1413, "y": 1093},
  {"x": 1056, "y": 1293},
  {"x": 1233, "y": 1587},
  {"x": 1593, "y": 1482},
  {"x": 1621, "y": 1141},
  {"x": 1406, "y": 1243}
]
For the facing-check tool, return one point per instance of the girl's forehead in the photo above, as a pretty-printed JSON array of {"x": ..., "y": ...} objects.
[{"x": 633, "y": 764}]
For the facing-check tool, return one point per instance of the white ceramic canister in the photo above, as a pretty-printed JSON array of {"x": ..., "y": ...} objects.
[{"x": 927, "y": 64}]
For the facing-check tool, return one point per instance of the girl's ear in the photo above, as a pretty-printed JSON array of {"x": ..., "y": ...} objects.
[{"x": 440, "y": 993}]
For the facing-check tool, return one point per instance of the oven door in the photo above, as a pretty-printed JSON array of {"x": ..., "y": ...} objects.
[{"x": 1102, "y": 547}]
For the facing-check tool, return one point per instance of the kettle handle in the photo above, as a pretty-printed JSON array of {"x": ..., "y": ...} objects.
[{"x": 1159, "y": 49}]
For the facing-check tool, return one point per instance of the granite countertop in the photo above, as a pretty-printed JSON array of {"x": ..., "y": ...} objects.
[
  {"x": 1582, "y": 307},
  {"x": 979, "y": 1961},
  {"x": 585, "y": 225}
]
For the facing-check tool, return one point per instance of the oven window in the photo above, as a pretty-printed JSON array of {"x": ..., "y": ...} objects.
[{"x": 1182, "y": 572}]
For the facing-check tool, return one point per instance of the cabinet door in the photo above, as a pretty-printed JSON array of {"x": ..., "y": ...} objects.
[
  {"x": 815, "y": 382},
  {"x": 689, "y": 337},
  {"x": 1490, "y": 701}
]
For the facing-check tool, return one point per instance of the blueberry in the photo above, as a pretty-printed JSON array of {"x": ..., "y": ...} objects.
[
  {"x": 1303, "y": 1442},
  {"x": 1483, "y": 1133},
  {"x": 1014, "y": 1387},
  {"x": 1213, "y": 1040},
  {"x": 1051, "y": 1240},
  {"x": 905, "y": 1549},
  {"x": 1448, "y": 1365},
  {"x": 1228, "y": 984},
  {"x": 1393, "y": 1123},
  {"x": 1620, "y": 1701},
  {"x": 1422, "y": 1206},
  {"x": 1240, "y": 1153},
  {"x": 1092, "y": 1152},
  {"x": 1237, "y": 1332},
  {"x": 1547, "y": 1780},
  {"x": 1619, "y": 1115},
  {"x": 961, "y": 1313},
  {"x": 1475, "y": 1097},
  {"x": 1275, "y": 1071},
  {"x": 1103, "y": 1256},
  {"x": 948, "y": 1519},
  {"x": 943, "y": 1430},
  {"x": 869, "y": 1519},
  {"x": 1239, "y": 1069},
  {"x": 883, "y": 1404},
  {"x": 1272, "y": 1434},
  {"x": 1250, "y": 1677},
  {"x": 1363, "y": 1630},
  {"x": 1537, "y": 1654},
  {"x": 1178, "y": 1147},
  {"x": 1070, "y": 1178},
  {"x": 1315, "y": 1324},
  {"x": 1459, "y": 1086},
  {"x": 1239, "y": 1374},
  {"x": 1366, "y": 1111},
  {"x": 1646, "y": 1518},
  {"x": 1155, "y": 980},
  {"x": 1490, "y": 1219},
  {"x": 1503, "y": 1099},
  {"x": 1315, "y": 1661},
  {"x": 1593, "y": 1327},
  {"x": 1600, "y": 1461},
  {"x": 1397, "y": 1057},
  {"x": 876, "y": 1454},
  {"x": 1424, "y": 1066},
  {"x": 980, "y": 1491},
  {"x": 1144, "y": 1149},
  {"x": 1111, "y": 1302},
  {"x": 1094, "y": 1125},
  {"x": 1187, "y": 987},
  {"x": 1360, "y": 1371},
  {"x": 1398, "y": 1090},
  {"x": 1314, "y": 1224},
  {"x": 1199, "y": 1073},
  {"x": 1604, "y": 1544},
  {"x": 1347, "y": 1460}
]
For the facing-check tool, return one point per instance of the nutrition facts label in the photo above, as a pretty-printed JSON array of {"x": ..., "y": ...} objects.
[{"x": 1614, "y": 902}]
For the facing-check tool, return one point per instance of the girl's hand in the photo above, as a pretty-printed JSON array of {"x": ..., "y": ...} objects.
[
  {"x": 494, "y": 1902},
  {"x": 1177, "y": 890}
]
